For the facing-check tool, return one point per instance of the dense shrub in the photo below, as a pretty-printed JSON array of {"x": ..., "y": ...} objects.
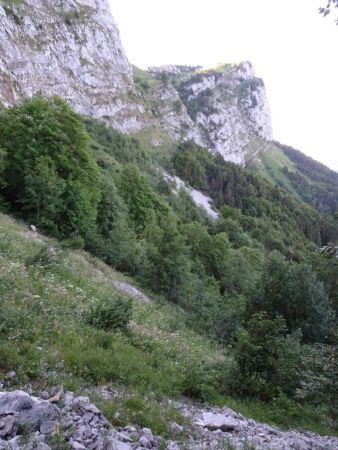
[
  {"x": 268, "y": 359},
  {"x": 320, "y": 377},
  {"x": 50, "y": 177},
  {"x": 294, "y": 292},
  {"x": 110, "y": 314}
]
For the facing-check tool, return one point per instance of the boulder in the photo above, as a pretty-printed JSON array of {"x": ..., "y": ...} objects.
[
  {"x": 115, "y": 444},
  {"x": 7, "y": 427},
  {"x": 218, "y": 422},
  {"x": 26, "y": 411},
  {"x": 48, "y": 427}
]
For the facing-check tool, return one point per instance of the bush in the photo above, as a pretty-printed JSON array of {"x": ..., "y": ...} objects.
[
  {"x": 201, "y": 381},
  {"x": 294, "y": 292},
  {"x": 320, "y": 383},
  {"x": 111, "y": 314},
  {"x": 46, "y": 257},
  {"x": 268, "y": 359},
  {"x": 50, "y": 177}
]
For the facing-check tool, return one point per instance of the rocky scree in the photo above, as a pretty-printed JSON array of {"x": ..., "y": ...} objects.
[{"x": 28, "y": 422}]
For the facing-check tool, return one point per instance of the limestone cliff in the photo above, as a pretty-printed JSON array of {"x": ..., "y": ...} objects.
[
  {"x": 72, "y": 48},
  {"x": 224, "y": 109}
]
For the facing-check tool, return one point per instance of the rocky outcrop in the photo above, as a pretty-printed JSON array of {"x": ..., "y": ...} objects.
[
  {"x": 222, "y": 109},
  {"x": 69, "y": 48}
]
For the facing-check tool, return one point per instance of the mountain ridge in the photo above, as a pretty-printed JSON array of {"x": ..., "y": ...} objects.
[{"x": 73, "y": 49}]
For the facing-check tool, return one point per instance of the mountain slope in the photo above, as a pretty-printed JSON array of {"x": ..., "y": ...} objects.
[
  {"x": 223, "y": 109},
  {"x": 135, "y": 377},
  {"x": 72, "y": 49},
  {"x": 307, "y": 179},
  {"x": 240, "y": 302}
]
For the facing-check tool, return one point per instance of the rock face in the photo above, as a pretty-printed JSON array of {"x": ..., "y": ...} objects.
[
  {"x": 72, "y": 48},
  {"x": 223, "y": 109},
  {"x": 69, "y": 48}
]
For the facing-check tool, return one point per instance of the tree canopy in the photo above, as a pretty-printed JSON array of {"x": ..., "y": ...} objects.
[{"x": 49, "y": 173}]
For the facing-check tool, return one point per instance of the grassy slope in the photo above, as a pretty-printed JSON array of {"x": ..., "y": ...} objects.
[
  {"x": 44, "y": 338},
  {"x": 272, "y": 162},
  {"x": 273, "y": 159}
]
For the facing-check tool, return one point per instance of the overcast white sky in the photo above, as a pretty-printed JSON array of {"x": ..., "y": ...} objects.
[{"x": 291, "y": 47}]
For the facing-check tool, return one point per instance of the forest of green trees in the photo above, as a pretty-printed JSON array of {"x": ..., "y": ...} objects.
[{"x": 253, "y": 280}]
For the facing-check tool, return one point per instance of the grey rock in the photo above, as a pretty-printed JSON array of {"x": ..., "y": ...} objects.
[
  {"x": 130, "y": 429},
  {"x": 176, "y": 428},
  {"x": 145, "y": 442},
  {"x": 124, "y": 437},
  {"x": 44, "y": 395},
  {"x": 83, "y": 62},
  {"x": 40, "y": 412},
  {"x": 68, "y": 398},
  {"x": 147, "y": 432},
  {"x": 7, "y": 427},
  {"x": 92, "y": 408},
  {"x": 14, "y": 444},
  {"x": 115, "y": 444},
  {"x": 84, "y": 431},
  {"x": 229, "y": 124},
  {"x": 10, "y": 375},
  {"x": 173, "y": 446},
  {"x": 27, "y": 411},
  {"x": 299, "y": 444},
  {"x": 82, "y": 399},
  {"x": 77, "y": 54},
  {"x": 132, "y": 291},
  {"x": 218, "y": 421},
  {"x": 77, "y": 446},
  {"x": 12, "y": 402},
  {"x": 48, "y": 427},
  {"x": 88, "y": 417}
]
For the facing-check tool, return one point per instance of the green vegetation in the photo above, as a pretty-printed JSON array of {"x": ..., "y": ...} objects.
[
  {"x": 143, "y": 79},
  {"x": 267, "y": 359},
  {"x": 309, "y": 180},
  {"x": 50, "y": 177},
  {"x": 241, "y": 302},
  {"x": 44, "y": 313},
  {"x": 110, "y": 315}
]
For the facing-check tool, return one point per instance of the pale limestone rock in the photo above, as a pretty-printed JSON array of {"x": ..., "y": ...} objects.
[
  {"x": 71, "y": 49},
  {"x": 201, "y": 200},
  {"x": 222, "y": 110},
  {"x": 214, "y": 421}
]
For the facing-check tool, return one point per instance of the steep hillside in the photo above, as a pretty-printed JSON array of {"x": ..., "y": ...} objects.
[
  {"x": 232, "y": 302},
  {"x": 72, "y": 49},
  {"x": 307, "y": 179},
  {"x": 141, "y": 263},
  {"x": 135, "y": 375}
]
